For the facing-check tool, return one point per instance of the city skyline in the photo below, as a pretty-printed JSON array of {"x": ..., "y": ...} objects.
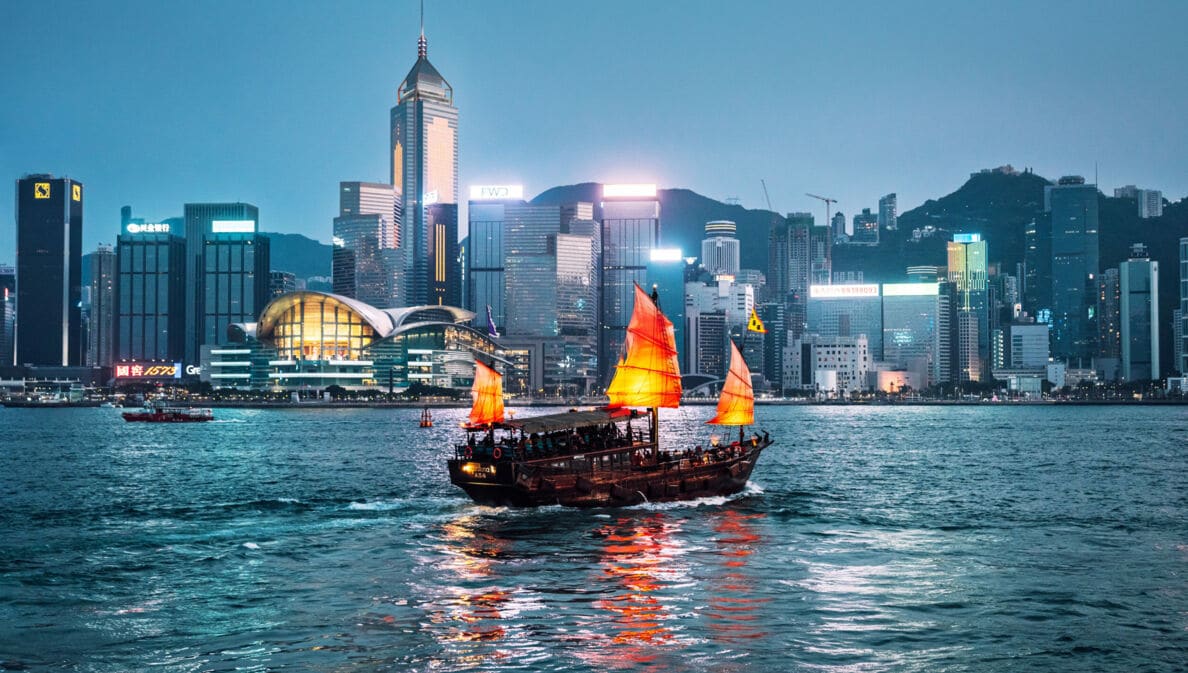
[{"x": 128, "y": 152}]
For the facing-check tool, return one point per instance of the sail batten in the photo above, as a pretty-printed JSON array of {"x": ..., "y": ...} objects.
[
  {"x": 648, "y": 375},
  {"x": 736, "y": 404},
  {"x": 488, "y": 396}
]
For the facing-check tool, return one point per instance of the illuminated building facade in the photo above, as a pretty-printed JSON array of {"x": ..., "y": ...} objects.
[
  {"x": 968, "y": 271},
  {"x": 311, "y": 340},
  {"x": 720, "y": 248},
  {"x": 916, "y": 330},
  {"x": 424, "y": 161},
  {"x": 7, "y": 314},
  {"x": 830, "y": 365},
  {"x": 847, "y": 311},
  {"x": 866, "y": 228},
  {"x": 150, "y": 294},
  {"x": 218, "y": 228},
  {"x": 630, "y": 229},
  {"x": 1183, "y": 363},
  {"x": 1075, "y": 263}
]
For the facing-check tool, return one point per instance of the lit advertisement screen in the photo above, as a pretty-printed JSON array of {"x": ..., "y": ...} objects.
[
  {"x": 843, "y": 291},
  {"x": 233, "y": 226},
  {"x": 616, "y": 191},
  {"x": 496, "y": 192},
  {"x": 666, "y": 255},
  {"x": 966, "y": 238},
  {"x": 911, "y": 289},
  {"x": 155, "y": 228},
  {"x": 148, "y": 370}
]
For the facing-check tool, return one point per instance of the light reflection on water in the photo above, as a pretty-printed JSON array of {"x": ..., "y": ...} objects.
[{"x": 880, "y": 540}]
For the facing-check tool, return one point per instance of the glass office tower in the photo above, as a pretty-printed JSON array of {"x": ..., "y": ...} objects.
[
  {"x": 150, "y": 296},
  {"x": 630, "y": 229},
  {"x": 1074, "y": 212},
  {"x": 1140, "y": 315},
  {"x": 916, "y": 329},
  {"x": 49, "y": 328},
  {"x": 424, "y": 160},
  {"x": 968, "y": 271},
  {"x": 366, "y": 238},
  {"x": 847, "y": 311},
  {"x": 216, "y": 221}
]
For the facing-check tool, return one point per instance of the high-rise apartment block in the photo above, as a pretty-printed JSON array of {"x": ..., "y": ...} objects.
[
  {"x": 888, "y": 212},
  {"x": 1149, "y": 201},
  {"x": 102, "y": 315},
  {"x": 49, "y": 329},
  {"x": 866, "y": 228}
]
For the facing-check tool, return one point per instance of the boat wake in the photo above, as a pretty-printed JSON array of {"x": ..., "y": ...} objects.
[{"x": 751, "y": 489}]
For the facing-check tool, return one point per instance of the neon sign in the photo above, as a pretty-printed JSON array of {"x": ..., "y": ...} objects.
[
  {"x": 233, "y": 226},
  {"x": 496, "y": 192},
  {"x": 843, "y": 291},
  {"x": 155, "y": 228},
  {"x": 148, "y": 370}
]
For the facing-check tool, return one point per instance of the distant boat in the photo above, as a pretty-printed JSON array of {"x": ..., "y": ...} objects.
[
  {"x": 426, "y": 418},
  {"x": 610, "y": 456},
  {"x": 164, "y": 414}
]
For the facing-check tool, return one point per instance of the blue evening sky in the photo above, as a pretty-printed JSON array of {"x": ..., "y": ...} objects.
[{"x": 154, "y": 104}]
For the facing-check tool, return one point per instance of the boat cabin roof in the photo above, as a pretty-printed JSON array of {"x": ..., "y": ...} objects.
[{"x": 568, "y": 419}]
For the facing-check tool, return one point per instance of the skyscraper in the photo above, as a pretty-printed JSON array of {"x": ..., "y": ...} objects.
[
  {"x": 1109, "y": 307},
  {"x": 720, "y": 248},
  {"x": 839, "y": 228},
  {"x": 1183, "y": 364},
  {"x": 916, "y": 330},
  {"x": 968, "y": 271},
  {"x": 1140, "y": 315},
  {"x": 1073, "y": 206},
  {"x": 102, "y": 281},
  {"x": 847, "y": 311},
  {"x": 888, "y": 215},
  {"x": 424, "y": 160},
  {"x": 365, "y": 262},
  {"x": 630, "y": 229},
  {"x": 227, "y": 271},
  {"x": 485, "y": 274},
  {"x": 49, "y": 271},
  {"x": 866, "y": 228},
  {"x": 7, "y": 314},
  {"x": 150, "y": 305}
]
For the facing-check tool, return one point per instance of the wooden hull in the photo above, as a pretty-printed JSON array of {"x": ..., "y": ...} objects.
[{"x": 509, "y": 483}]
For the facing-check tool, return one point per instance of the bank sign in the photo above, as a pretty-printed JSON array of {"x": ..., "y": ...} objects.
[{"x": 148, "y": 370}]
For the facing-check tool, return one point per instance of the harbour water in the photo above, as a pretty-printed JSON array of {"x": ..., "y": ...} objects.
[{"x": 872, "y": 539}]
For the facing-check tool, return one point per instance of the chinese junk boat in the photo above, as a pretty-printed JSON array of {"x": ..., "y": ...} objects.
[
  {"x": 609, "y": 456},
  {"x": 163, "y": 414}
]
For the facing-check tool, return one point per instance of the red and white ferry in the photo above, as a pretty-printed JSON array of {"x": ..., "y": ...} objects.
[{"x": 163, "y": 414}]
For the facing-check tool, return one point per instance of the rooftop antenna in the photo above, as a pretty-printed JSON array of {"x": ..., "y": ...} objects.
[{"x": 422, "y": 45}]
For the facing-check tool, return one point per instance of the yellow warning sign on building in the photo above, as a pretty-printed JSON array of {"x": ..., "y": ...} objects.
[
  {"x": 76, "y": 192},
  {"x": 41, "y": 190}
]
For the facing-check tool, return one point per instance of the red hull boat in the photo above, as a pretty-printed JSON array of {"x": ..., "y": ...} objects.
[{"x": 169, "y": 415}]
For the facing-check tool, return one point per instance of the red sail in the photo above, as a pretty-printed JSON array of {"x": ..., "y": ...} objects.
[
  {"x": 736, "y": 405},
  {"x": 648, "y": 376},
  {"x": 488, "y": 396}
]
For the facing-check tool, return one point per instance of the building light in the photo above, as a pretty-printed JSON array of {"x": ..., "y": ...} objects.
[
  {"x": 666, "y": 255},
  {"x": 233, "y": 226},
  {"x": 843, "y": 291},
  {"x": 967, "y": 238},
  {"x": 640, "y": 190},
  {"x": 910, "y": 289},
  {"x": 496, "y": 192},
  {"x": 155, "y": 228}
]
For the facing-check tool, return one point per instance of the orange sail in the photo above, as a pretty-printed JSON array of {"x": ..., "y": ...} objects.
[
  {"x": 736, "y": 405},
  {"x": 488, "y": 396},
  {"x": 648, "y": 376}
]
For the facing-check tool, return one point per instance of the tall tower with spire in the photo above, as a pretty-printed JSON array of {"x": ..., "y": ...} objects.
[{"x": 425, "y": 170}]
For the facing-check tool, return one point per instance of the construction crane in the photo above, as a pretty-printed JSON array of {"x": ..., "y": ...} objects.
[
  {"x": 828, "y": 201},
  {"x": 765, "y": 195}
]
